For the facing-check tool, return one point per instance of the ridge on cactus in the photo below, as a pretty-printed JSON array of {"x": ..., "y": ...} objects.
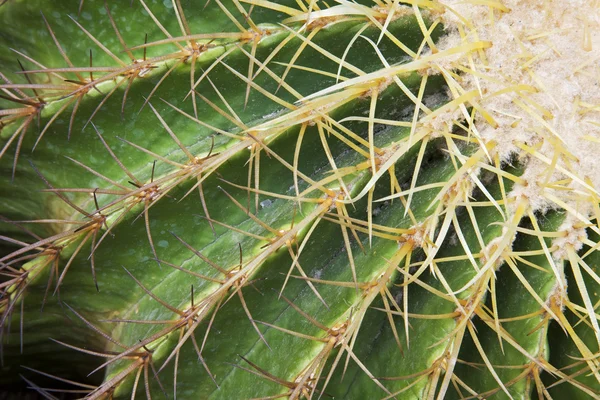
[{"x": 257, "y": 199}]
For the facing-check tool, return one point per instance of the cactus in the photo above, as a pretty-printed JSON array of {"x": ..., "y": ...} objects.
[{"x": 240, "y": 199}]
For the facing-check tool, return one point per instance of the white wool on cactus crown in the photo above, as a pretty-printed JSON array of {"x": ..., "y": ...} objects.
[{"x": 552, "y": 48}]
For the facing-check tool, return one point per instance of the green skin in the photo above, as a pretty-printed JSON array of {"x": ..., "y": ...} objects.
[{"x": 325, "y": 253}]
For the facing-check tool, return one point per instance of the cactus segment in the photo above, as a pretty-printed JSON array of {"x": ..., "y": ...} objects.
[{"x": 291, "y": 199}]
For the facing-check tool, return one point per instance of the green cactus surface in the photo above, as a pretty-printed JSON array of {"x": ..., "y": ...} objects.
[{"x": 264, "y": 199}]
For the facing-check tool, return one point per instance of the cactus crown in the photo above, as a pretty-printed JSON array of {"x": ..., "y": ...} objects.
[{"x": 271, "y": 199}]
